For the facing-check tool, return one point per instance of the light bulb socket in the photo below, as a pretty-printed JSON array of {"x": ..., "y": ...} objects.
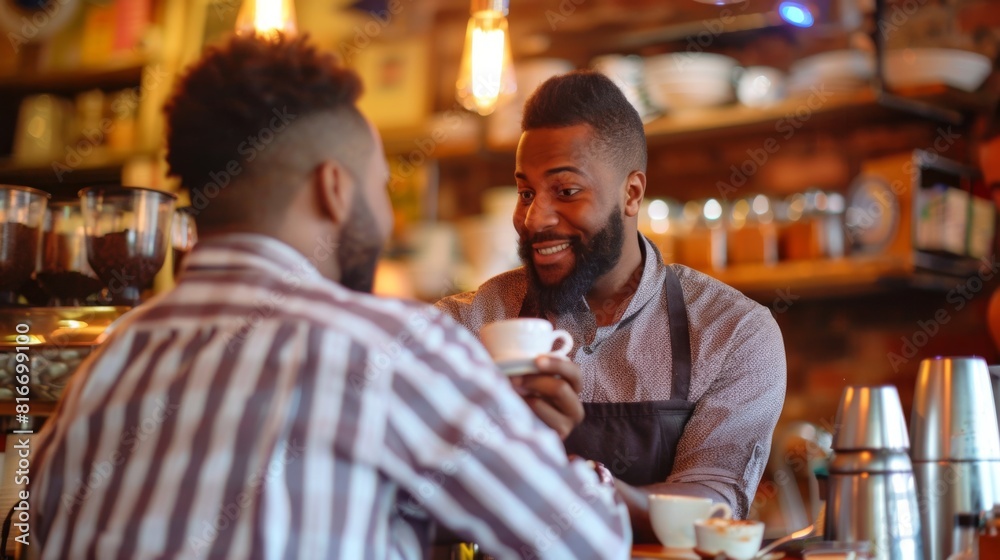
[{"x": 502, "y": 6}]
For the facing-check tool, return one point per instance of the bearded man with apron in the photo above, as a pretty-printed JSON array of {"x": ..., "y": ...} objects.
[{"x": 682, "y": 378}]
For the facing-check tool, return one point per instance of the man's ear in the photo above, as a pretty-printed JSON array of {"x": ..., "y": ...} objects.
[
  {"x": 334, "y": 191},
  {"x": 635, "y": 189}
]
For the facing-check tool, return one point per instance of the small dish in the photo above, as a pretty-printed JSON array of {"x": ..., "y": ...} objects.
[
  {"x": 523, "y": 366},
  {"x": 722, "y": 556},
  {"x": 658, "y": 552}
]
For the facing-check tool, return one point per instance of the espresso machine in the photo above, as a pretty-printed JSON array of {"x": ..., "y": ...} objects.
[{"x": 68, "y": 270}]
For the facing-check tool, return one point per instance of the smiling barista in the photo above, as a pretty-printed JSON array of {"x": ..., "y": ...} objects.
[{"x": 681, "y": 377}]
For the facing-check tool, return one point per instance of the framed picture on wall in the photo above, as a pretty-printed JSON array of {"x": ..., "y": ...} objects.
[{"x": 396, "y": 78}]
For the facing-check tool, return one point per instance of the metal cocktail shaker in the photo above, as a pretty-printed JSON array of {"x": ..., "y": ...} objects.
[
  {"x": 872, "y": 493},
  {"x": 956, "y": 446}
]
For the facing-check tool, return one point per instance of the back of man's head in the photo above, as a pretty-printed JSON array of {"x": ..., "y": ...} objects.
[
  {"x": 588, "y": 97},
  {"x": 250, "y": 121}
]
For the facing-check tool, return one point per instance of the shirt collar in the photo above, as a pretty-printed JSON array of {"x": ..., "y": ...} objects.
[
  {"x": 241, "y": 251},
  {"x": 651, "y": 280}
]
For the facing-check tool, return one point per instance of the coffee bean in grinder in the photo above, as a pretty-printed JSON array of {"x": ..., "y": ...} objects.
[
  {"x": 92, "y": 258},
  {"x": 22, "y": 210},
  {"x": 128, "y": 231}
]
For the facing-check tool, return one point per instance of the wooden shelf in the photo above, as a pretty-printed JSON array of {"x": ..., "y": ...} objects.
[
  {"x": 422, "y": 139},
  {"x": 120, "y": 75},
  {"x": 778, "y": 120},
  {"x": 99, "y": 167},
  {"x": 812, "y": 111},
  {"x": 837, "y": 277}
]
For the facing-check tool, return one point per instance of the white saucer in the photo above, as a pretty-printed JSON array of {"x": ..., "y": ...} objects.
[
  {"x": 777, "y": 555},
  {"x": 521, "y": 366},
  {"x": 651, "y": 552}
]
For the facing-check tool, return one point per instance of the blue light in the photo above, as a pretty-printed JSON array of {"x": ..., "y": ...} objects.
[{"x": 796, "y": 14}]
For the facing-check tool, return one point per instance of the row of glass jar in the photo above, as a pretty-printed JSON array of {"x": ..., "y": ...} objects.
[
  {"x": 105, "y": 247},
  {"x": 711, "y": 234}
]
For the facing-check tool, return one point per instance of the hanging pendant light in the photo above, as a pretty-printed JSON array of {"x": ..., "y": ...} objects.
[
  {"x": 267, "y": 18},
  {"x": 487, "y": 72}
]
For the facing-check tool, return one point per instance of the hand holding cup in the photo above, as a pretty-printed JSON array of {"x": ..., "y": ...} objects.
[
  {"x": 515, "y": 343},
  {"x": 548, "y": 381}
]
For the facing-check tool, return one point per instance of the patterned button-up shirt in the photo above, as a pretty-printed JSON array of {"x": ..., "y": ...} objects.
[
  {"x": 737, "y": 371},
  {"x": 259, "y": 410}
]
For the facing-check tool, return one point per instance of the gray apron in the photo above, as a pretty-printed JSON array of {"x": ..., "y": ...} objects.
[{"x": 637, "y": 441}]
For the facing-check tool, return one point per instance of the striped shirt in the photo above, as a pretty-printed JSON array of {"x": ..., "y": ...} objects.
[
  {"x": 259, "y": 410},
  {"x": 737, "y": 370}
]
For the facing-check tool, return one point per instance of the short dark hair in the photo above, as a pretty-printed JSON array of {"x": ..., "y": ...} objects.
[
  {"x": 235, "y": 92},
  {"x": 589, "y": 97}
]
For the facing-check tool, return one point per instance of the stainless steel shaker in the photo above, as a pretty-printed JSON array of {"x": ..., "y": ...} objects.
[
  {"x": 995, "y": 380},
  {"x": 872, "y": 492},
  {"x": 956, "y": 446}
]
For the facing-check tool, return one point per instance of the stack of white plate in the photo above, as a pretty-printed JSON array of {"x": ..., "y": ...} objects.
[
  {"x": 833, "y": 72},
  {"x": 688, "y": 80},
  {"x": 920, "y": 67}
]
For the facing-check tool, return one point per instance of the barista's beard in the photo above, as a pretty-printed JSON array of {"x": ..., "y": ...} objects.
[
  {"x": 359, "y": 248},
  {"x": 591, "y": 261}
]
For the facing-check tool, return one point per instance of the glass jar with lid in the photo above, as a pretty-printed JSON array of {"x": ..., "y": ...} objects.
[
  {"x": 703, "y": 244},
  {"x": 753, "y": 232},
  {"x": 812, "y": 226}
]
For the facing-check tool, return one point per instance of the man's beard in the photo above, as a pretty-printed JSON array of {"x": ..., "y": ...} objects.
[
  {"x": 359, "y": 248},
  {"x": 591, "y": 261}
]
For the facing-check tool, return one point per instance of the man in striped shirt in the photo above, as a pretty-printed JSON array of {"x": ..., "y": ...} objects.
[{"x": 267, "y": 407}]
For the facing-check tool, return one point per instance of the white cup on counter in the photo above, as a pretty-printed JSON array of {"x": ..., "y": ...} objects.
[
  {"x": 673, "y": 518},
  {"x": 739, "y": 539}
]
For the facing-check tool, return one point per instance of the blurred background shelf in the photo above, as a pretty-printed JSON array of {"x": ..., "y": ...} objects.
[
  {"x": 843, "y": 277},
  {"x": 781, "y": 120},
  {"x": 61, "y": 179},
  {"x": 818, "y": 110},
  {"x": 118, "y": 75}
]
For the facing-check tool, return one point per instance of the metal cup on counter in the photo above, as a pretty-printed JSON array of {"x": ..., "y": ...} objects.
[
  {"x": 995, "y": 381},
  {"x": 956, "y": 446},
  {"x": 872, "y": 493}
]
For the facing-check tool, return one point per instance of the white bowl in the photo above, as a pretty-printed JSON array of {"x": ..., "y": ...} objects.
[
  {"x": 688, "y": 77},
  {"x": 832, "y": 65},
  {"x": 920, "y": 67},
  {"x": 689, "y": 95},
  {"x": 690, "y": 62}
]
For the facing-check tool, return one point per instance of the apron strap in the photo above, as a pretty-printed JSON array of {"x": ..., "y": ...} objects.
[{"x": 680, "y": 337}]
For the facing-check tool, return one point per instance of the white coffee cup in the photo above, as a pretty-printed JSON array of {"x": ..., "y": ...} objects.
[
  {"x": 673, "y": 518},
  {"x": 738, "y": 539},
  {"x": 524, "y": 339}
]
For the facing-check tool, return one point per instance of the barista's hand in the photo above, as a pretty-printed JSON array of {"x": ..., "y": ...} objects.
[{"x": 552, "y": 393}]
